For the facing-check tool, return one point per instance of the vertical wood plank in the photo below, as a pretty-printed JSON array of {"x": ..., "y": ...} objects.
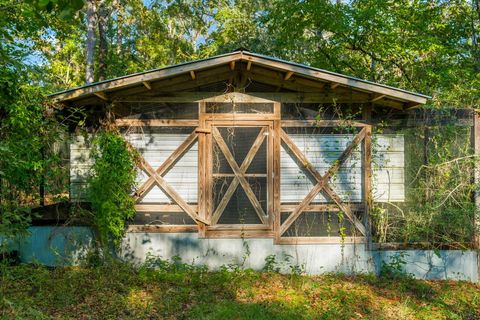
[
  {"x": 42, "y": 181},
  {"x": 202, "y": 209},
  {"x": 367, "y": 173},
  {"x": 277, "y": 139},
  {"x": 367, "y": 182},
  {"x": 208, "y": 171},
  {"x": 476, "y": 179},
  {"x": 270, "y": 202}
]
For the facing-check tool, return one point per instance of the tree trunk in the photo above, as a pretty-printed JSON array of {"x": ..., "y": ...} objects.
[
  {"x": 475, "y": 21},
  {"x": 91, "y": 23},
  {"x": 119, "y": 9},
  {"x": 102, "y": 38}
]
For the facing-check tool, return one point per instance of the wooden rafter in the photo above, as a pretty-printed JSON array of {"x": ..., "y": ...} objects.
[
  {"x": 378, "y": 97},
  {"x": 334, "y": 85},
  {"x": 321, "y": 182},
  {"x": 101, "y": 95},
  {"x": 286, "y": 97},
  {"x": 288, "y": 75},
  {"x": 147, "y": 85},
  {"x": 410, "y": 105},
  {"x": 240, "y": 174},
  {"x": 229, "y": 60}
]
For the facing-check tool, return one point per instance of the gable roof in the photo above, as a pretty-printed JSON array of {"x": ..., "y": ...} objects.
[{"x": 327, "y": 78}]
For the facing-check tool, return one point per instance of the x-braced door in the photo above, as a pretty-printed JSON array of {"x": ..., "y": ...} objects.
[{"x": 240, "y": 172}]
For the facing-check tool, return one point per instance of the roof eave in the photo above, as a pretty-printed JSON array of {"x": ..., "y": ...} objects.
[{"x": 411, "y": 98}]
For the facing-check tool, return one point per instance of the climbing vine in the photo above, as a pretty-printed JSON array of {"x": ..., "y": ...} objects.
[
  {"x": 438, "y": 210},
  {"x": 110, "y": 186}
]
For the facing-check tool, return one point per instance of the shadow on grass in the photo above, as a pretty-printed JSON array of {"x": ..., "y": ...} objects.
[
  {"x": 254, "y": 311},
  {"x": 179, "y": 291}
]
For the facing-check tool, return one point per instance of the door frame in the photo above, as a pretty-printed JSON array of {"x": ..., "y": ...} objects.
[
  {"x": 211, "y": 125},
  {"x": 205, "y": 168}
]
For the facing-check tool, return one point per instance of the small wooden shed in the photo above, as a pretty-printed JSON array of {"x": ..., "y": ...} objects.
[{"x": 243, "y": 145}]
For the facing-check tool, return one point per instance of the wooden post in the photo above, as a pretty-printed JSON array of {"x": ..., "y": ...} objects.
[
  {"x": 202, "y": 187},
  {"x": 276, "y": 214},
  {"x": 367, "y": 173},
  {"x": 476, "y": 178},
  {"x": 42, "y": 179},
  {"x": 426, "y": 138}
]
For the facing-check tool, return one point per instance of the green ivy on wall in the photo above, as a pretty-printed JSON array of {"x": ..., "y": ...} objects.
[{"x": 110, "y": 186}]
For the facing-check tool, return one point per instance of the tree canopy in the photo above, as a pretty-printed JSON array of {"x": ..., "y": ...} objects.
[{"x": 425, "y": 46}]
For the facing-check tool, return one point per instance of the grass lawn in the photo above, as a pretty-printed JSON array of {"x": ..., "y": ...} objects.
[{"x": 120, "y": 291}]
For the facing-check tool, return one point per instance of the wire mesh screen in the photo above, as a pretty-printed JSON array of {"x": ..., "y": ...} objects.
[
  {"x": 438, "y": 208},
  {"x": 156, "y": 145},
  {"x": 163, "y": 218},
  {"x": 324, "y": 111},
  {"x": 322, "y": 147},
  {"x": 157, "y": 110},
  {"x": 239, "y": 208},
  {"x": 239, "y": 141},
  {"x": 232, "y": 107},
  {"x": 423, "y": 165},
  {"x": 319, "y": 224}
]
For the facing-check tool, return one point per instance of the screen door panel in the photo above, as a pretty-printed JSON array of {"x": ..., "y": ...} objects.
[{"x": 240, "y": 175}]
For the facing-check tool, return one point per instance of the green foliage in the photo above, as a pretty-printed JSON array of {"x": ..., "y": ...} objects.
[
  {"x": 438, "y": 210},
  {"x": 395, "y": 267},
  {"x": 271, "y": 264},
  {"x": 110, "y": 186},
  {"x": 172, "y": 291},
  {"x": 28, "y": 135},
  {"x": 425, "y": 46}
]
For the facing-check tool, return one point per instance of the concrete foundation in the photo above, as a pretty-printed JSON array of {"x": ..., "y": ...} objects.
[{"x": 66, "y": 245}]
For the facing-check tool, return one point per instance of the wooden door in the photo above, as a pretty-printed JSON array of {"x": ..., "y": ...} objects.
[{"x": 240, "y": 171}]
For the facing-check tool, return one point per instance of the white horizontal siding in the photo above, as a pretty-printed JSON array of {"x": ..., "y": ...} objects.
[
  {"x": 155, "y": 148},
  {"x": 321, "y": 150},
  {"x": 183, "y": 176},
  {"x": 80, "y": 164},
  {"x": 388, "y": 157},
  {"x": 324, "y": 149}
]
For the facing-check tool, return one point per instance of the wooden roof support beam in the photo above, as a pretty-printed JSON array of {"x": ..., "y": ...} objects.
[
  {"x": 249, "y": 65},
  {"x": 101, "y": 95},
  {"x": 315, "y": 75},
  {"x": 288, "y": 75},
  {"x": 232, "y": 65},
  {"x": 378, "y": 97},
  {"x": 286, "y": 97},
  {"x": 147, "y": 85},
  {"x": 192, "y": 74},
  {"x": 410, "y": 105}
]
